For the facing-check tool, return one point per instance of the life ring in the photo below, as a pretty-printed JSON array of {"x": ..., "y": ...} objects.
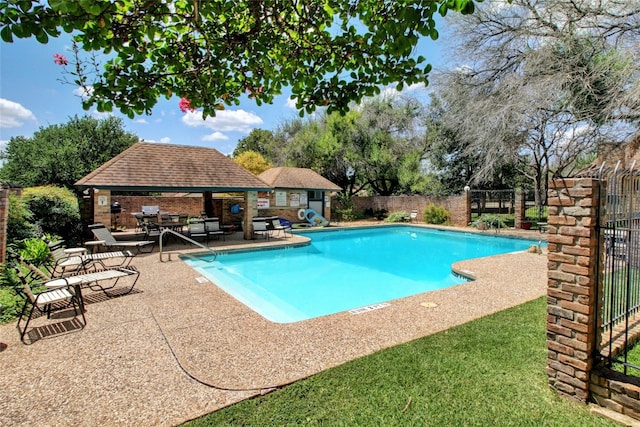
[{"x": 301, "y": 214}]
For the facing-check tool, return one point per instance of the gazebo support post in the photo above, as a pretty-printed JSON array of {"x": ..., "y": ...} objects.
[
  {"x": 207, "y": 200},
  {"x": 250, "y": 211}
]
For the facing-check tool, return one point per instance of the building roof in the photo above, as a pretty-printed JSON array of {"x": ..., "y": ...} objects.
[
  {"x": 167, "y": 167},
  {"x": 297, "y": 178}
]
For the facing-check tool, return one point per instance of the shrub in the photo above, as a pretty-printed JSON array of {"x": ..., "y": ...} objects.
[
  {"x": 489, "y": 221},
  {"x": 55, "y": 210},
  {"x": 380, "y": 214},
  {"x": 11, "y": 300},
  {"x": 36, "y": 251},
  {"x": 20, "y": 224},
  {"x": 398, "y": 216},
  {"x": 435, "y": 214}
]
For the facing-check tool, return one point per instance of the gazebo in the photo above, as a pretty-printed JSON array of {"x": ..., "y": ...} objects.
[
  {"x": 154, "y": 167},
  {"x": 294, "y": 190}
]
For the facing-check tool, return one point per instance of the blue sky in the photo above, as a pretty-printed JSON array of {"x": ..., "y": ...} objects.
[{"x": 33, "y": 96}]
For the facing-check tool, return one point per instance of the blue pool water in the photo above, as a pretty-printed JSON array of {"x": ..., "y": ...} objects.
[{"x": 345, "y": 269}]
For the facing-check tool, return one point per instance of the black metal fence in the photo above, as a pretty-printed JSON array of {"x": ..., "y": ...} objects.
[
  {"x": 492, "y": 202},
  {"x": 620, "y": 268}
]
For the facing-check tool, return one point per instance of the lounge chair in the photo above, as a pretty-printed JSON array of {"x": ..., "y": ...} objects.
[
  {"x": 70, "y": 260},
  {"x": 103, "y": 234},
  {"x": 260, "y": 228},
  {"x": 212, "y": 227},
  {"x": 274, "y": 224},
  {"x": 57, "y": 296},
  {"x": 98, "y": 280}
]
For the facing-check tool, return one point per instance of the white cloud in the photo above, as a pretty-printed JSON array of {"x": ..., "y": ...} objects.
[
  {"x": 83, "y": 92},
  {"x": 165, "y": 140},
  {"x": 142, "y": 121},
  {"x": 216, "y": 136},
  {"x": 100, "y": 115},
  {"x": 224, "y": 121},
  {"x": 13, "y": 115},
  {"x": 291, "y": 103}
]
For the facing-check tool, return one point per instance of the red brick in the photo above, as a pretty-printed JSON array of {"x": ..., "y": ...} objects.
[
  {"x": 560, "y": 348},
  {"x": 576, "y": 231},
  {"x": 560, "y": 257},
  {"x": 576, "y": 326},
  {"x": 575, "y": 269},
  {"x": 575, "y": 289},
  {"x": 561, "y": 220},
  {"x": 561, "y": 240},
  {"x": 561, "y": 276},
  {"x": 572, "y": 361},
  {"x": 576, "y": 250},
  {"x": 556, "y": 293},
  {"x": 576, "y": 307}
]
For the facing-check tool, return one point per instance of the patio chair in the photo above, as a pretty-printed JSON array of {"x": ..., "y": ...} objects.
[
  {"x": 274, "y": 224},
  {"x": 139, "y": 221},
  {"x": 56, "y": 297},
  {"x": 414, "y": 215},
  {"x": 212, "y": 227},
  {"x": 103, "y": 234},
  {"x": 98, "y": 279},
  {"x": 260, "y": 228},
  {"x": 69, "y": 260},
  {"x": 196, "y": 230}
]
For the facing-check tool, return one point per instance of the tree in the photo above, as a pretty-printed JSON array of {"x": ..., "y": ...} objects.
[
  {"x": 260, "y": 141},
  {"x": 543, "y": 83},
  {"x": 377, "y": 145},
  {"x": 211, "y": 53},
  {"x": 252, "y": 161},
  {"x": 62, "y": 154}
]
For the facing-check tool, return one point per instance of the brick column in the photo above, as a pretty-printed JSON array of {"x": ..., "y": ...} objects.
[
  {"x": 4, "y": 215},
  {"x": 102, "y": 207},
  {"x": 250, "y": 210},
  {"x": 572, "y": 284},
  {"x": 520, "y": 208}
]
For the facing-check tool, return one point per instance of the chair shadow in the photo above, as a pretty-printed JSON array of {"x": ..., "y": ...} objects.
[
  {"x": 96, "y": 295},
  {"x": 51, "y": 330}
]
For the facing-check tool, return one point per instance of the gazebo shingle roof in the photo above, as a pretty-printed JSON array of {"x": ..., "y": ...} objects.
[
  {"x": 167, "y": 167},
  {"x": 297, "y": 178}
]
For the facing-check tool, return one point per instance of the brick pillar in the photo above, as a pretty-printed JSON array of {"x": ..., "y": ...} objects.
[
  {"x": 572, "y": 284},
  {"x": 520, "y": 208},
  {"x": 102, "y": 207},
  {"x": 250, "y": 210},
  {"x": 467, "y": 201},
  {"x": 4, "y": 215}
]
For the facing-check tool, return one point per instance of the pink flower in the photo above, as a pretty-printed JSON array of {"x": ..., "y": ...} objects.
[
  {"x": 185, "y": 105},
  {"x": 59, "y": 59}
]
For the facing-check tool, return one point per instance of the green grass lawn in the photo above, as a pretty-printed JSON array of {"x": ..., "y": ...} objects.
[{"x": 489, "y": 372}]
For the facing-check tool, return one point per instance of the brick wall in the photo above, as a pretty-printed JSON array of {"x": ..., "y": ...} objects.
[
  {"x": 615, "y": 391},
  {"x": 458, "y": 206}
]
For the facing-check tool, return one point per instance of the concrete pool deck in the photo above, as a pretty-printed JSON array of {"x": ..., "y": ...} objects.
[{"x": 179, "y": 348}]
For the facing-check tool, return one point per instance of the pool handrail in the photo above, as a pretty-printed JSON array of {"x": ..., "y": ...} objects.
[{"x": 182, "y": 236}]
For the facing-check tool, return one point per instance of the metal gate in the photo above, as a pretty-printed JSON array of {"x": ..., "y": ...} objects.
[
  {"x": 492, "y": 202},
  {"x": 620, "y": 268}
]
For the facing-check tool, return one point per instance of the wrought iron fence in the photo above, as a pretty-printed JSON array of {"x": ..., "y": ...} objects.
[
  {"x": 620, "y": 293},
  {"x": 492, "y": 201}
]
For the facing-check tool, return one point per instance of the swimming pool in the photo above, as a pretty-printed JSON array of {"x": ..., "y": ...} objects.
[{"x": 348, "y": 269}]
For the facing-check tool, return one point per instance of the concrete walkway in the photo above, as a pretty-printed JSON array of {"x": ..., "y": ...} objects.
[{"x": 178, "y": 348}]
